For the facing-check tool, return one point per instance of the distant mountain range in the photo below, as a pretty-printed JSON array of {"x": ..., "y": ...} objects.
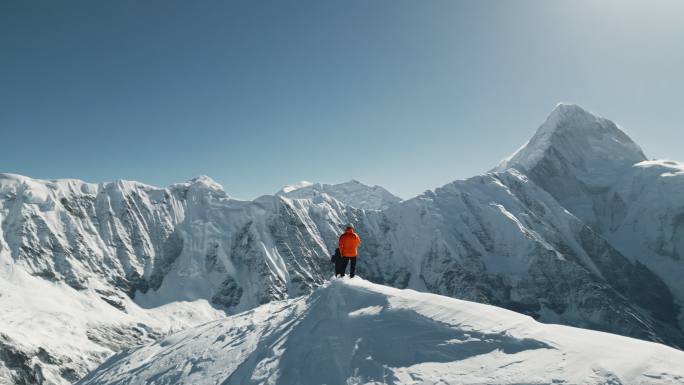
[{"x": 577, "y": 227}]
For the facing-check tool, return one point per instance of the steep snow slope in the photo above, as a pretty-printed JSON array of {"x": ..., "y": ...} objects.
[
  {"x": 643, "y": 216},
  {"x": 90, "y": 235},
  {"x": 242, "y": 254},
  {"x": 500, "y": 239},
  {"x": 352, "y": 193},
  {"x": 496, "y": 239},
  {"x": 51, "y": 333},
  {"x": 575, "y": 154},
  {"x": 600, "y": 175},
  {"x": 356, "y": 332},
  {"x": 88, "y": 246},
  {"x": 128, "y": 237}
]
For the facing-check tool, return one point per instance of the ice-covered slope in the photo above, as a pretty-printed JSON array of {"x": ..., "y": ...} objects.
[
  {"x": 643, "y": 216},
  {"x": 51, "y": 333},
  {"x": 90, "y": 235},
  {"x": 600, "y": 175},
  {"x": 573, "y": 154},
  {"x": 356, "y": 332},
  {"x": 501, "y": 239},
  {"x": 497, "y": 239},
  {"x": 74, "y": 254},
  {"x": 188, "y": 241},
  {"x": 352, "y": 193},
  {"x": 647, "y": 210}
]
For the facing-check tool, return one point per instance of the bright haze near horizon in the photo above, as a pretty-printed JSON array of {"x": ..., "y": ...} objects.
[{"x": 409, "y": 95}]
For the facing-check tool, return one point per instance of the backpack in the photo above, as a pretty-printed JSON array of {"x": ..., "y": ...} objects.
[{"x": 336, "y": 256}]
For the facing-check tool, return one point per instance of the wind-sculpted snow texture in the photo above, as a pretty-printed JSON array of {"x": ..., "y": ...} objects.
[
  {"x": 356, "y": 332},
  {"x": 575, "y": 228}
]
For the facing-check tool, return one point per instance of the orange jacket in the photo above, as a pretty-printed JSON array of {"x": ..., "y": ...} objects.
[{"x": 349, "y": 243}]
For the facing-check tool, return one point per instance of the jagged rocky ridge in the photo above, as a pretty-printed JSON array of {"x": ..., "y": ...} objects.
[{"x": 574, "y": 255}]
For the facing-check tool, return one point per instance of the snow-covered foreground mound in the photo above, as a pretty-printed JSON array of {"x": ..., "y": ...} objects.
[{"x": 355, "y": 332}]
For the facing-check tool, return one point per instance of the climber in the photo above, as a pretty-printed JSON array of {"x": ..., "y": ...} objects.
[{"x": 349, "y": 243}]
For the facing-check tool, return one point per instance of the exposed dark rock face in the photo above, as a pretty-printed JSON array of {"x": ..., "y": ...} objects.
[{"x": 228, "y": 295}]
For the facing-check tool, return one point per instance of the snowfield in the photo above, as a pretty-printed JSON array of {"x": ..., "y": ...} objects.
[{"x": 357, "y": 332}]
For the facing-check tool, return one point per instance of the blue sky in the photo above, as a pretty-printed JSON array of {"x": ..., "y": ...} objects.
[{"x": 258, "y": 94}]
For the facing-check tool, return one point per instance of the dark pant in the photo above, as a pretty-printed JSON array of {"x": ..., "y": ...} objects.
[{"x": 341, "y": 266}]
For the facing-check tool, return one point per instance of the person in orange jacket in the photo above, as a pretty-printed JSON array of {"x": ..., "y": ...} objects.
[{"x": 349, "y": 244}]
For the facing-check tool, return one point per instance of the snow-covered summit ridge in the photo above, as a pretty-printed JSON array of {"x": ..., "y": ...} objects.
[
  {"x": 581, "y": 139},
  {"x": 202, "y": 184},
  {"x": 352, "y": 193},
  {"x": 292, "y": 187},
  {"x": 11, "y": 183},
  {"x": 10, "y": 178},
  {"x": 353, "y": 331},
  {"x": 206, "y": 181}
]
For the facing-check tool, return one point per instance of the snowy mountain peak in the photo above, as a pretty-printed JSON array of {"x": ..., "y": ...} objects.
[
  {"x": 6, "y": 177},
  {"x": 202, "y": 185},
  {"x": 574, "y": 139},
  {"x": 352, "y": 193},
  {"x": 206, "y": 182},
  {"x": 567, "y": 111},
  {"x": 293, "y": 187}
]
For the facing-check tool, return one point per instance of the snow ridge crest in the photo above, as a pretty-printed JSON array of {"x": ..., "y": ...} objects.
[{"x": 352, "y": 193}]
